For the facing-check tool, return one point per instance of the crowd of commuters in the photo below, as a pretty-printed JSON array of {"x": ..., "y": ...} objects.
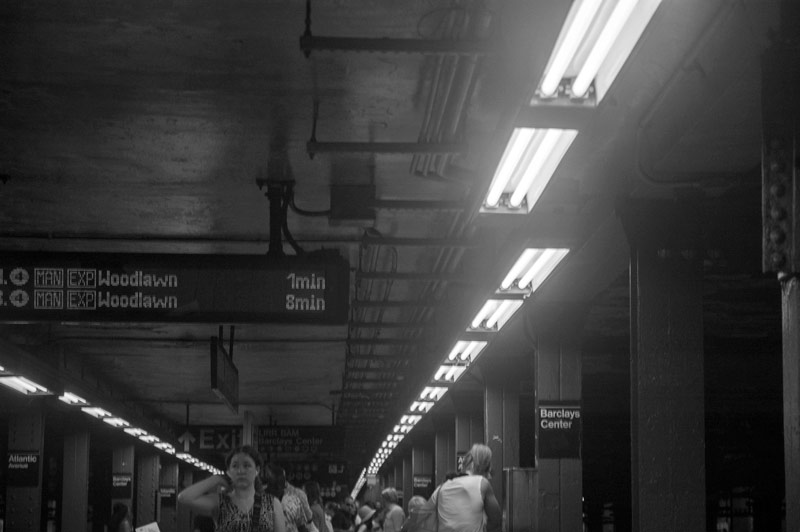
[{"x": 239, "y": 501}]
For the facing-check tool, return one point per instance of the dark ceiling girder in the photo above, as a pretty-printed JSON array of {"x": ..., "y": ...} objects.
[
  {"x": 412, "y": 276},
  {"x": 388, "y": 325},
  {"x": 395, "y": 304},
  {"x": 413, "y": 205},
  {"x": 421, "y": 242},
  {"x": 384, "y": 341},
  {"x": 313, "y": 146},
  {"x": 309, "y": 43}
]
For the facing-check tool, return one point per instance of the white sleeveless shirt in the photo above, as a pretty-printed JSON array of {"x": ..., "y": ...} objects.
[{"x": 461, "y": 505}]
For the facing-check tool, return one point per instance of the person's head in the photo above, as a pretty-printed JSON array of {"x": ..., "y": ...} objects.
[
  {"x": 349, "y": 506},
  {"x": 312, "y": 492},
  {"x": 478, "y": 461},
  {"x": 389, "y": 496},
  {"x": 331, "y": 508},
  {"x": 365, "y": 513},
  {"x": 275, "y": 476},
  {"x": 417, "y": 501},
  {"x": 340, "y": 521},
  {"x": 119, "y": 513},
  {"x": 243, "y": 465}
]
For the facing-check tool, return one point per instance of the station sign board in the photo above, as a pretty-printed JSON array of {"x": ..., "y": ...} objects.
[
  {"x": 210, "y": 443},
  {"x": 284, "y": 443},
  {"x": 173, "y": 288},
  {"x": 559, "y": 425},
  {"x": 23, "y": 468}
]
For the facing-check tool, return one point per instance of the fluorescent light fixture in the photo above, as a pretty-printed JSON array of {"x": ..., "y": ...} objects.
[
  {"x": 116, "y": 422},
  {"x": 532, "y": 268},
  {"x": 183, "y": 456},
  {"x": 149, "y": 438},
  {"x": 421, "y": 406},
  {"x": 542, "y": 268},
  {"x": 579, "y": 18},
  {"x": 521, "y": 139},
  {"x": 529, "y": 161},
  {"x": 24, "y": 386},
  {"x": 433, "y": 393},
  {"x": 450, "y": 373},
  {"x": 72, "y": 399},
  {"x": 466, "y": 350},
  {"x": 595, "y": 41},
  {"x": 96, "y": 412},
  {"x": 495, "y": 313},
  {"x": 503, "y": 313},
  {"x": 135, "y": 432},
  {"x": 537, "y": 171},
  {"x": 162, "y": 445}
]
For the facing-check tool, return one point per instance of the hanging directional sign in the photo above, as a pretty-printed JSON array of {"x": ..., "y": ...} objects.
[{"x": 173, "y": 288}]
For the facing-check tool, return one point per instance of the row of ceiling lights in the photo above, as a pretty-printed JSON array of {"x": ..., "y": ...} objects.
[
  {"x": 595, "y": 41},
  {"x": 26, "y": 386}
]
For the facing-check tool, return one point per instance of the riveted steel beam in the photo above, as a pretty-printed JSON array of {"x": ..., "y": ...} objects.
[
  {"x": 313, "y": 146},
  {"x": 309, "y": 43},
  {"x": 412, "y": 276}
]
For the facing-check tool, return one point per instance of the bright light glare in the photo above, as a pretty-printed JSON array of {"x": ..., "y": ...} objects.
[
  {"x": 541, "y": 166},
  {"x": 572, "y": 33},
  {"x": 542, "y": 268},
  {"x": 496, "y": 312},
  {"x": 523, "y": 262},
  {"x": 72, "y": 399},
  {"x": 96, "y": 412},
  {"x": 116, "y": 422},
  {"x": 23, "y": 385},
  {"x": 520, "y": 139},
  {"x": 533, "y": 267},
  {"x": 622, "y": 11}
]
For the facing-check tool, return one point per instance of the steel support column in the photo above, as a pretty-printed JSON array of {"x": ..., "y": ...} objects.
[
  {"x": 501, "y": 415},
  {"x": 444, "y": 447},
  {"x": 667, "y": 388},
  {"x": 780, "y": 110},
  {"x": 24, "y": 491},
  {"x": 408, "y": 476},
  {"x": 391, "y": 478},
  {"x": 557, "y": 362},
  {"x": 75, "y": 487},
  {"x": 469, "y": 422},
  {"x": 167, "y": 509},
  {"x": 421, "y": 469},
  {"x": 123, "y": 478},
  {"x": 791, "y": 399},
  {"x": 185, "y": 517},
  {"x": 147, "y": 466}
]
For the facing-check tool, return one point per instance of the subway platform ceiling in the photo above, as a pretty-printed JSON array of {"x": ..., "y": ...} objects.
[{"x": 209, "y": 134}]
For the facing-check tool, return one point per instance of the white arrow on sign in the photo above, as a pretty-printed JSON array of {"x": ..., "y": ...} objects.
[{"x": 186, "y": 439}]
